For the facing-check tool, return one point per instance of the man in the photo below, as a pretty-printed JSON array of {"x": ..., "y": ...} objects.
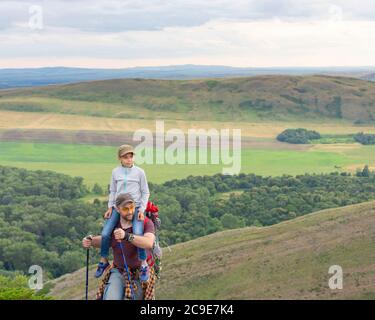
[{"x": 115, "y": 284}]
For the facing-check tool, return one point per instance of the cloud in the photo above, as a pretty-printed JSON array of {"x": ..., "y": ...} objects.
[
  {"x": 124, "y": 15},
  {"x": 241, "y": 33},
  {"x": 249, "y": 43}
]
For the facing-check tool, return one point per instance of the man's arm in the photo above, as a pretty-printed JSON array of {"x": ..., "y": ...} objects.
[{"x": 145, "y": 242}]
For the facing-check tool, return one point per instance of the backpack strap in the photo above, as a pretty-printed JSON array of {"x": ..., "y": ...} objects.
[
  {"x": 150, "y": 259},
  {"x": 145, "y": 221}
]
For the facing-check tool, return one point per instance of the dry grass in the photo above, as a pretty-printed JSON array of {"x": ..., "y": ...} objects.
[
  {"x": 38, "y": 120},
  {"x": 337, "y": 147}
]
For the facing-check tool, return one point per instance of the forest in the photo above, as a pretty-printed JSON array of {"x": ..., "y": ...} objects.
[{"x": 43, "y": 218}]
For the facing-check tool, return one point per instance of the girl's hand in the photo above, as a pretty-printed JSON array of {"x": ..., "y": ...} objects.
[
  {"x": 108, "y": 213},
  {"x": 141, "y": 216}
]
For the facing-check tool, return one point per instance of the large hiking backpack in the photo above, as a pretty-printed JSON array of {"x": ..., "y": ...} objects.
[{"x": 154, "y": 259}]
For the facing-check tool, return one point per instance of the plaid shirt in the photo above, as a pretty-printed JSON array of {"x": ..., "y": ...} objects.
[{"x": 148, "y": 286}]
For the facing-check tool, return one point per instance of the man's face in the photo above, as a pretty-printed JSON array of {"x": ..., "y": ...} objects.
[
  {"x": 127, "y": 212},
  {"x": 127, "y": 159}
]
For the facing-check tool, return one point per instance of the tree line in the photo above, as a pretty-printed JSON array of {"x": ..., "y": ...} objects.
[{"x": 304, "y": 136}]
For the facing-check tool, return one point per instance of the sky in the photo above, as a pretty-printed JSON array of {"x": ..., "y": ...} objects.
[{"x": 240, "y": 33}]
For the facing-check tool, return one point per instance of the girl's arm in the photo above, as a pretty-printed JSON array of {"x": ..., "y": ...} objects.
[
  {"x": 112, "y": 191},
  {"x": 145, "y": 192}
]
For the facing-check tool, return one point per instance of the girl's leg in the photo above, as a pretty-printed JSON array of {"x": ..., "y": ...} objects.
[
  {"x": 108, "y": 228},
  {"x": 138, "y": 230},
  {"x": 106, "y": 241}
]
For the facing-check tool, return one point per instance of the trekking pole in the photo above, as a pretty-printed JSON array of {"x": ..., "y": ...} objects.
[
  {"x": 127, "y": 270},
  {"x": 87, "y": 268}
]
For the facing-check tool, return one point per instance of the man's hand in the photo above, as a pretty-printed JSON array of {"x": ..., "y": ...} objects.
[
  {"x": 141, "y": 216},
  {"x": 119, "y": 234},
  {"x": 86, "y": 242},
  {"x": 108, "y": 213}
]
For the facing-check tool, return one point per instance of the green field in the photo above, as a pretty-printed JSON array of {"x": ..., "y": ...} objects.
[
  {"x": 335, "y": 138},
  {"x": 94, "y": 163}
]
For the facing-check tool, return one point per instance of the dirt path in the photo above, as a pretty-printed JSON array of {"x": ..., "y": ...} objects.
[{"x": 118, "y": 138}]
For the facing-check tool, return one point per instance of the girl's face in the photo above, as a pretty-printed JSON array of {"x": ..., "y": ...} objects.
[{"x": 127, "y": 159}]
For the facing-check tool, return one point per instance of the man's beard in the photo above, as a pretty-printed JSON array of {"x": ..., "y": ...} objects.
[{"x": 127, "y": 217}]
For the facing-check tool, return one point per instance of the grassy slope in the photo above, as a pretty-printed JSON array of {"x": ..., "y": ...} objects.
[
  {"x": 273, "y": 97},
  {"x": 289, "y": 260}
]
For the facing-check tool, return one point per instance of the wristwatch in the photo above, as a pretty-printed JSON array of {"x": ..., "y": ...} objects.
[{"x": 129, "y": 237}]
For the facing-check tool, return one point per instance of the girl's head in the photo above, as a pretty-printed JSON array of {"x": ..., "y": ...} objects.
[{"x": 126, "y": 155}]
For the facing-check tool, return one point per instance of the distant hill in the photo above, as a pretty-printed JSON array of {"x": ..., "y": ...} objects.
[
  {"x": 29, "y": 77},
  {"x": 266, "y": 97},
  {"x": 370, "y": 77},
  {"x": 289, "y": 260}
]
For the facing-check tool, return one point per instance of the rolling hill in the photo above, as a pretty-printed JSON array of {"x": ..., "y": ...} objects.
[
  {"x": 268, "y": 97},
  {"x": 289, "y": 260},
  {"x": 30, "y": 77}
]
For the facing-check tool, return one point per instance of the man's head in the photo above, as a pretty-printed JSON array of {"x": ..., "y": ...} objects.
[
  {"x": 126, "y": 206},
  {"x": 126, "y": 155}
]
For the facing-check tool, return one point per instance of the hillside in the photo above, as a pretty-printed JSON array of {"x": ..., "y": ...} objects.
[
  {"x": 268, "y": 97},
  {"x": 289, "y": 260},
  {"x": 370, "y": 77},
  {"x": 30, "y": 77}
]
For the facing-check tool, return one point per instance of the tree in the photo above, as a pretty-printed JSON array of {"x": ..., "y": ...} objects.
[
  {"x": 97, "y": 189},
  {"x": 365, "y": 171},
  {"x": 229, "y": 221}
]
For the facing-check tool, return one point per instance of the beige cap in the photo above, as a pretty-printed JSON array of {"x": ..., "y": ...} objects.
[{"x": 124, "y": 149}]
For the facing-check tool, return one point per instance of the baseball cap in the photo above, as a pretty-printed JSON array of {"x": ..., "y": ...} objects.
[
  {"x": 124, "y": 149},
  {"x": 123, "y": 199}
]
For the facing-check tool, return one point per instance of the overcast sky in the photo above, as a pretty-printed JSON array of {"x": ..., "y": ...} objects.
[{"x": 128, "y": 33}]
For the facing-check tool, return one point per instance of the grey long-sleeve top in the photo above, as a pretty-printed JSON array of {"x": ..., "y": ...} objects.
[{"x": 132, "y": 180}]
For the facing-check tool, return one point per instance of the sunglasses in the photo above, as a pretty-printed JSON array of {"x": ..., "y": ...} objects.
[{"x": 127, "y": 209}]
